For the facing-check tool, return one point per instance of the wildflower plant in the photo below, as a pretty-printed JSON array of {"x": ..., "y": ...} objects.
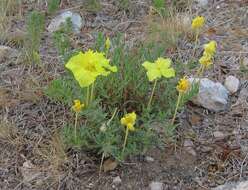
[
  {"x": 160, "y": 68},
  {"x": 86, "y": 67},
  {"x": 197, "y": 23},
  {"x": 62, "y": 40},
  {"x": 208, "y": 55},
  {"x": 53, "y": 6},
  {"x": 107, "y": 45},
  {"x": 182, "y": 88},
  {"x": 128, "y": 121},
  {"x": 77, "y": 107},
  {"x": 120, "y": 90},
  {"x": 35, "y": 27}
]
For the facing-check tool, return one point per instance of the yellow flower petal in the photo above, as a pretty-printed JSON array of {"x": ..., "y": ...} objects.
[
  {"x": 75, "y": 62},
  {"x": 133, "y": 116},
  {"x": 183, "y": 85},
  {"x": 153, "y": 74},
  {"x": 160, "y": 68},
  {"x": 77, "y": 106},
  {"x": 206, "y": 60},
  {"x": 168, "y": 73},
  {"x": 107, "y": 43},
  {"x": 123, "y": 121},
  {"x": 86, "y": 67},
  {"x": 210, "y": 48},
  {"x": 198, "y": 22},
  {"x": 148, "y": 65},
  {"x": 85, "y": 78},
  {"x": 129, "y": 120},
  {"x": 163, "y": 63},
  {"x": 130, "y": 127}
]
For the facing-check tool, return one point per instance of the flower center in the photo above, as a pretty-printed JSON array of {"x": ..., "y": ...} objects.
[{"x": 90, "y": 67}]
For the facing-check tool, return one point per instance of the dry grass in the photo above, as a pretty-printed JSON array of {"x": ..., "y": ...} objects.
[
  {"x": 169, "y": 29},
  {"x": 54, "y": 153},
  {"x": 9, "y": 134},
  {"x": 8, "y": 8}
]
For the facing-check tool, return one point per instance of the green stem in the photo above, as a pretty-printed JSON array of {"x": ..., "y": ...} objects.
[
  {"x": 200, "y": 71},
  {"x": 153, "y": 90},
  {"x": 87, "y": 96},
  {"x": 103, "y": 155},
  {"x": 196, "y": 40},
  {"x": 125, "y": 140},
  {"x": 112, "y": 117},
  {"x": 178, "y": 102},
  {"x": 92, "y": 92},
  {"x": 75, "y": 126}
]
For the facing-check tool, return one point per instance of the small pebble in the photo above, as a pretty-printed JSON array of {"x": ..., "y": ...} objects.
[
  {"x": 156, "y": 186},
  {"x": 205, "y": 149},
  {"x": 245, "y": 61},
  {"x": 188, "y": 144},
  {"x": 117, "y": 180},
  {"x": 219, "y": 135},
  {"x": 149, "y": 159},
  {"x": 202, "y": 3},
  {"x": 232, "y": 84}
]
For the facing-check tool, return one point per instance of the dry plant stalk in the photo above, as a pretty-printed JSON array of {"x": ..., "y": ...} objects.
[
  {"x": 8, "y": 8},
  {"x": 54, "y": 153},
  {"x": 168, "y": 29},
  {"x": 9, "y": 135}
]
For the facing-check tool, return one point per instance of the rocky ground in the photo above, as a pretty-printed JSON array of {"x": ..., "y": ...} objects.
[{"x": 211, "y": 147}]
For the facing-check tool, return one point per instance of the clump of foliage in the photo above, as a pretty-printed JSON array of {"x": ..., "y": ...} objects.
[
  {"x": 61, "y": 39},
  {"x": 35, "y": 27},
  {"x": 7, "y": 8},
  {"x": 53, "y": 6},
  {"x": 160, "y": 7},
  {"x": 114, "y": 98},
  {"x": 124, "y": 91},
  {"x": 124, "y": 4},
  {"x": 92, "y": 5}
]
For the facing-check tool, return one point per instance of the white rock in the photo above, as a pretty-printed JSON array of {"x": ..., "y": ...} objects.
[
  {"x": 232, "y": 84},
  {"x": 149, "y": 159},
  {"x": 188, "y": 143},
  {"x": 245, "y": 61},
  {"x": 219, "y": 135},
  {"x": 117, "y": 180},
  {"x": 76, "y": 19},
  {"x": 233, "y": 186},
  {"x": 156, "y": 186},
  {"x": 213, "y": 96},
  {"x": 202, "y": 3}
]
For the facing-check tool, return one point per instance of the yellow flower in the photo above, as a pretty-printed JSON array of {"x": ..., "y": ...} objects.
[
  {"x": 160, "y": 68},
  {"x": 183, "y": 85},
  {"x": 86, "y": 67},
  {"x": 206, "y": 60},
  {"x": 77, "y": 107},
  {"x": 210, "y": 48},
  {"x": 129, "y": 120},
  {"x": 107, "y": 43},
  {"x": 198, "y": 22}
]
